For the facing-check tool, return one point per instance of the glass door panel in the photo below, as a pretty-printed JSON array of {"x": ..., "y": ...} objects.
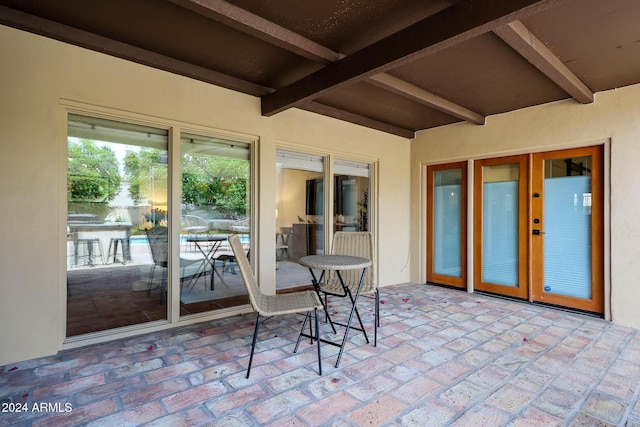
[
  {"x": 566, "y": 228},
  {"x": 215, "y": 203},
  {"x": 117, "y": 185},
  {"x": 299, "y": 215},
  {"x": 500, "y": 249},
  {"x": 500, "y": 228},
  {"x": 446, "y": 206},
  {"x": 351, "y": 196}
]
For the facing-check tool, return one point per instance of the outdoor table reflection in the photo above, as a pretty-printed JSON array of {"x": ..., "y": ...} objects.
[{"x": 208, "y": 245}]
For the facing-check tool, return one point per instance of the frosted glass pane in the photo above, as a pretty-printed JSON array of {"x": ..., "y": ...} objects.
[
  {"x": 567, "y": 238},
  {"x": 500, "y": 233},
  {"x": 447, "y": 257}
]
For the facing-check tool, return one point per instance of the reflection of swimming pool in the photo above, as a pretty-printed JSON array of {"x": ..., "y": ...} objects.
[{"x": 142, "y": 239}]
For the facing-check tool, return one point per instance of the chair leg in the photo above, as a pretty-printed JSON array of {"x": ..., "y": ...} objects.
[
  {"x": 253, "y": 345},
  {"x": 153, "y": 269},
  {"x": 318, "y": 341},
  {"x": 317, "y": 335},
  {"x": 378, "y": 307},
  {"x": 164, "y": 285},
  {"x": 376, "y": 321}
]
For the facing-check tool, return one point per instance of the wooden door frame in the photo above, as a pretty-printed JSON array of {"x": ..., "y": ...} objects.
[
  {"x": 596, "y": 304},
  {"x": 460, "y": 282},
  {"x": 522, "y": 291}
]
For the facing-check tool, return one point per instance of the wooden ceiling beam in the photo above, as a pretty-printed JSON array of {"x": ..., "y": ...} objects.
[
  {"x": 249, "y": 23},
  {"x": 408, "y": 90},
  {"x": 336, "y": 113},
  {"x": 67, "y": 34},
  {"x": 523, "y": 41},
  {"x": 449, "y": 27}
]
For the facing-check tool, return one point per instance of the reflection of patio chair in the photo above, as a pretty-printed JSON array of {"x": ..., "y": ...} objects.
[
  {"x": 240, "y": 226},
  {"x": 275, "y": 305},
  {"x": 192, "y": 225},
  {"x": 354, "y": 244},
  {"x": 159, "y": 245}
]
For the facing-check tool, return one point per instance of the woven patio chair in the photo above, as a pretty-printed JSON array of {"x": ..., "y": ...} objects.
[{"x": 275, "y": 305}]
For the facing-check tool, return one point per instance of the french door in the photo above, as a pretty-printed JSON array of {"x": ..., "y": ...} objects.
[
  {"x": 538, "y": 227},
  {"x": 567, "y": 229},
  {"x": 447, "y": 224},
  {"x": 500, "y": 225}
]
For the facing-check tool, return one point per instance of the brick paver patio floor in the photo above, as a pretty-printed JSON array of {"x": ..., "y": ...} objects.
[{"x": 444, "y": 357}]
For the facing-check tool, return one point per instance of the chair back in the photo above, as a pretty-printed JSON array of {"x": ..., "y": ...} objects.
[
  {"x": 159, "y": 244},
  {"x": 355, "y": 243},
  {"x": 256, "y": 297}
]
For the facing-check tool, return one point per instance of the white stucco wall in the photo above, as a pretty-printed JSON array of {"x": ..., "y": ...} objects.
[
  {"x": 37, "y": 73},
  {"x": 613, "y": 117}
]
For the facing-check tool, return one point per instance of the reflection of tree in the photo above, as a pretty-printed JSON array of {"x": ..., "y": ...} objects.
[
  {"x": 93, "y": 172},
  {"x": 215, "y": 182},
  {"x": 207, "y": 182},
  {"x": 144, "y": 171}
]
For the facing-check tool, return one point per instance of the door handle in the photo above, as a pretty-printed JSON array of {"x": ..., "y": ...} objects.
[{"x": 538, "y": 232}]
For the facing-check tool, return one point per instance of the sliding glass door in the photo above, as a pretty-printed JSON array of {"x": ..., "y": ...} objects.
[
  {"x": 117, "y": 187},
  {"x": 306, "y": 214},
  {"x": 300, "y": 215},
  {"x": 351, "y": 196},
  {"x": 119, "y": 236},
  {"x": 215, "y": 202}
]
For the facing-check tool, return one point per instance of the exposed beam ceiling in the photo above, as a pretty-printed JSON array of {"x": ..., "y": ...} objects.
[
  {"x": 247, "y": 22},
  {"x": 325, "y": 110},
  {"x": 398, "y": 66},
  {"x": 444, "y": 29},
  {"x": 516, "y": 35},
  {"x": 397, "y": 85},
  {"x": 126, "y": 51}
]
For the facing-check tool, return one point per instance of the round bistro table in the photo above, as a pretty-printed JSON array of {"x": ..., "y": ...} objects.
[{"x": 338, "y": 263}]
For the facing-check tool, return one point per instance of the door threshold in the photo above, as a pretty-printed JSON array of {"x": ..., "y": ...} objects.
[{"x": 510, "y": 298}]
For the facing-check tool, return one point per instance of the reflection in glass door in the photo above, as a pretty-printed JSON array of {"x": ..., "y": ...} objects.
[
  {"x": 567, "y": 228},
  {"x": 500, "y": 252},
  {"x": 117, "y": 186},
  {"x": 350, "y": 196},
  {"x": 299, "y": 215},
  {"x": 215, "y": 203},
  {"x": 446, "y": 224}
]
